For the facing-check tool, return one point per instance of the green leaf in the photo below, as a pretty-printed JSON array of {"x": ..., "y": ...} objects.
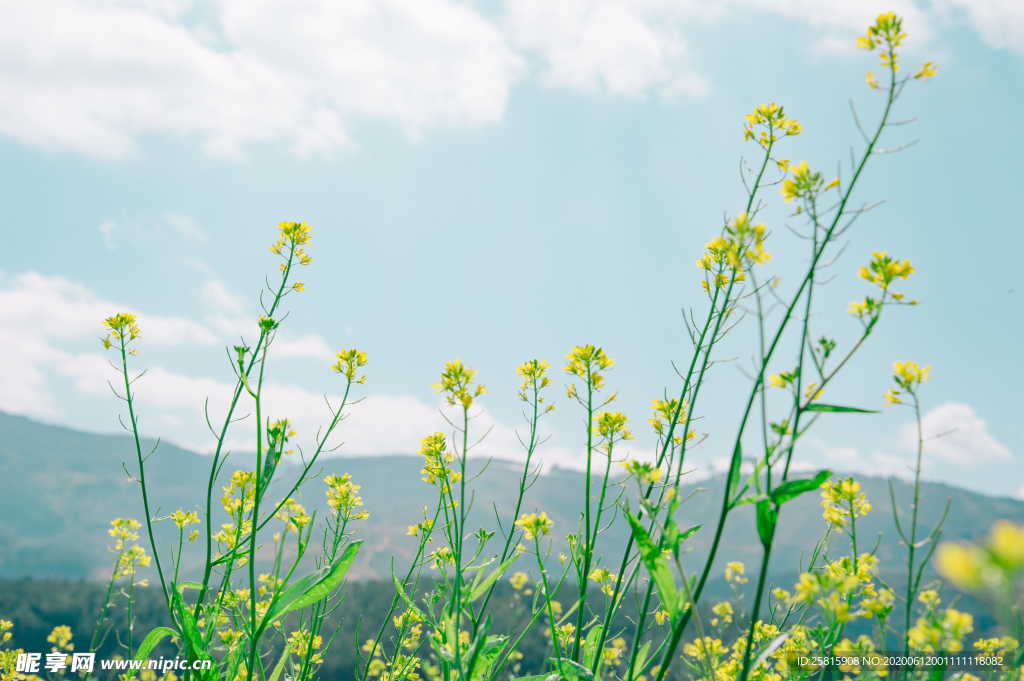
[
  {"x": 195, "y": 648},
  {"x": 590, "y": 649},
  {"x": 403, "y": 594},
  {"x": 733, "y": 481},
  {"x": 573, "y": 670},
  {"x": 767, "y": 516},
  {"x": 492, "y": 649},
  {"x": 657, "y": 567},
  {"x": 818, "y": 406},
  {"x": 794, "y": 488},
  {"x": 151, "y": 641},
  {"x": 479, "y": 589},
  {"x": 314, "y": 587},
  {"x": 641, "y": 656},
  {"x": 279, "y": 667}
]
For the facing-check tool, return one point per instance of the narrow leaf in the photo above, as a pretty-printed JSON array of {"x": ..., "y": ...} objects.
[
  {"x": 818, "y": 406},
  {"x": 794, "y": 488}
]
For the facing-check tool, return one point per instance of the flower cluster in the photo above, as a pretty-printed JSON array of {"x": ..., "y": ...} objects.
[
  {"x": 121, "y": 330},
  {"x": 587, "y": 362},
  {"x": 611, "y": 425},
  {"x": 293, "y": 515},
  {"x": 343, "y": 497},
  {"x": 843, "y": 590},
  {"x": 278, "y": 434},
  {"x": 665, "y": 412},
  {"x": 803, "y": 182},
  {"x": 348, "y": 363},
  {"x": 643, "y": 471},
  {"x": 434, "y": 449},
  {"x": 943, "y": 631},
  {"x": 302, "y": 642},
  {"x": 885, "y": 35},
  {"x": 907, "y": 376},
  {"x": 604, "y": 578},
  {"x": 985, "y": 567},
  {"x": 291, "y": 238},
  {"x": 457, "y": 386},
  {"x": 534, "y": 525},
  {"x": 767, "y": 122},
  {"x": 240, "y": 493},
  {"x": 739, "y": 248},
  {"x": 883, "y": 270},
  {"x": 843, "y": 500},
  {"x": 534, "y": 373},
  {"x": 736, "y": 572}
]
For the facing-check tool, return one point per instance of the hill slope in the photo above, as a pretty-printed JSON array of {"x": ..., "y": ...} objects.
[{"x": 61, "y": 487}]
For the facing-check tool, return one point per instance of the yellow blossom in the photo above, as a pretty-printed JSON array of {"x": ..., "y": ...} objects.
[{"x": 534, "y": 524}]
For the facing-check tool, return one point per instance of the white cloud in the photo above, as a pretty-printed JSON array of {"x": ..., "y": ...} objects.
[
  {"x": 185, "y": 228},
  {"x": 43, "y": 319},
  {"x": 852, "y": 460},
  {"x": 93, "y": 76},
  {"x": 55, "y": 307},
  {"x": 608, "y": 45},
  {"x": 953, "y": 431},
  {"x": 170, "y": 226}
]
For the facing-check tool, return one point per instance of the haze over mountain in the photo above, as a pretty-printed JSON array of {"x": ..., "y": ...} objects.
[{"x": 61, "y": 487}]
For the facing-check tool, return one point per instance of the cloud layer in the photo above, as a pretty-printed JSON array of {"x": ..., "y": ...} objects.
[
  {"x": 45, "y": 321},
  {"x": 96, "y": 76}
]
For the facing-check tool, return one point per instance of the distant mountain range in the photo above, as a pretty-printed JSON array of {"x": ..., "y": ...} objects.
[{"x": 60, "y": 488}]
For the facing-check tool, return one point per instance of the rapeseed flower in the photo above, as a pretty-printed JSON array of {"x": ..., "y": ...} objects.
[
  {"x": 457, "y": 386},
  {"x": 587, "y": 362},
  {"x": 534, "y": 525},
  {"x": 348, "y": 362}
]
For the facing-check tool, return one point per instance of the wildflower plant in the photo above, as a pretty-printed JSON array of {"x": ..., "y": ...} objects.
[{"x": 634, "y": 612}]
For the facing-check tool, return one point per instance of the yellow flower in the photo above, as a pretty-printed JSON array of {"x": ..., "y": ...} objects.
[
  {"x": 343, "y": 498},
  {"x": 457, "y": 386},
  {"x": 294, "y": 515},
  {"x": 121, "y": 328},
  {"x": 519, "y": 580},
  {"x": 643, "y": 471},
  {"x": 611, "y": 425},
  {"x": 882, "y": 270},
  {"x": 961, "y": 564},
  {"x": 534, "y": 524},
  {"x": 535, "y": 377},
  {"x": 587, "y": 362},
  {"x": 767, "y": 122},
  {"x": 60, "y": 637},
  {"x": 842, "y": 501},
  {"x": 434, "y": 449},
  {"x": 735, "y": 571},
  {"x": 1007, "y": 544},
  {"x": 348, "y": 362},
  {"x": 804, "y": 183},
  {"x": 911, "y": 373},
  {"x": 929, "y": 598},
  {"x": 926, "y": 71},
  {"x": 723, "y": 613},
  {"x": 872, "y": 83},
  {"x": 184, "y": 518}
]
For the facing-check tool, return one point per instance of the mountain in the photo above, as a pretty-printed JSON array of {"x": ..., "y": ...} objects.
[{"x": 61, "y": 487}]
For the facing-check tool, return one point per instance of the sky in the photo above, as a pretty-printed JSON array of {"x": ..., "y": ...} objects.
[{"x": 495, "y": 181}]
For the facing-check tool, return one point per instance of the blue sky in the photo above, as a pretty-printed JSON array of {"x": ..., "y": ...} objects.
[{"x": 493, "y": 182}]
